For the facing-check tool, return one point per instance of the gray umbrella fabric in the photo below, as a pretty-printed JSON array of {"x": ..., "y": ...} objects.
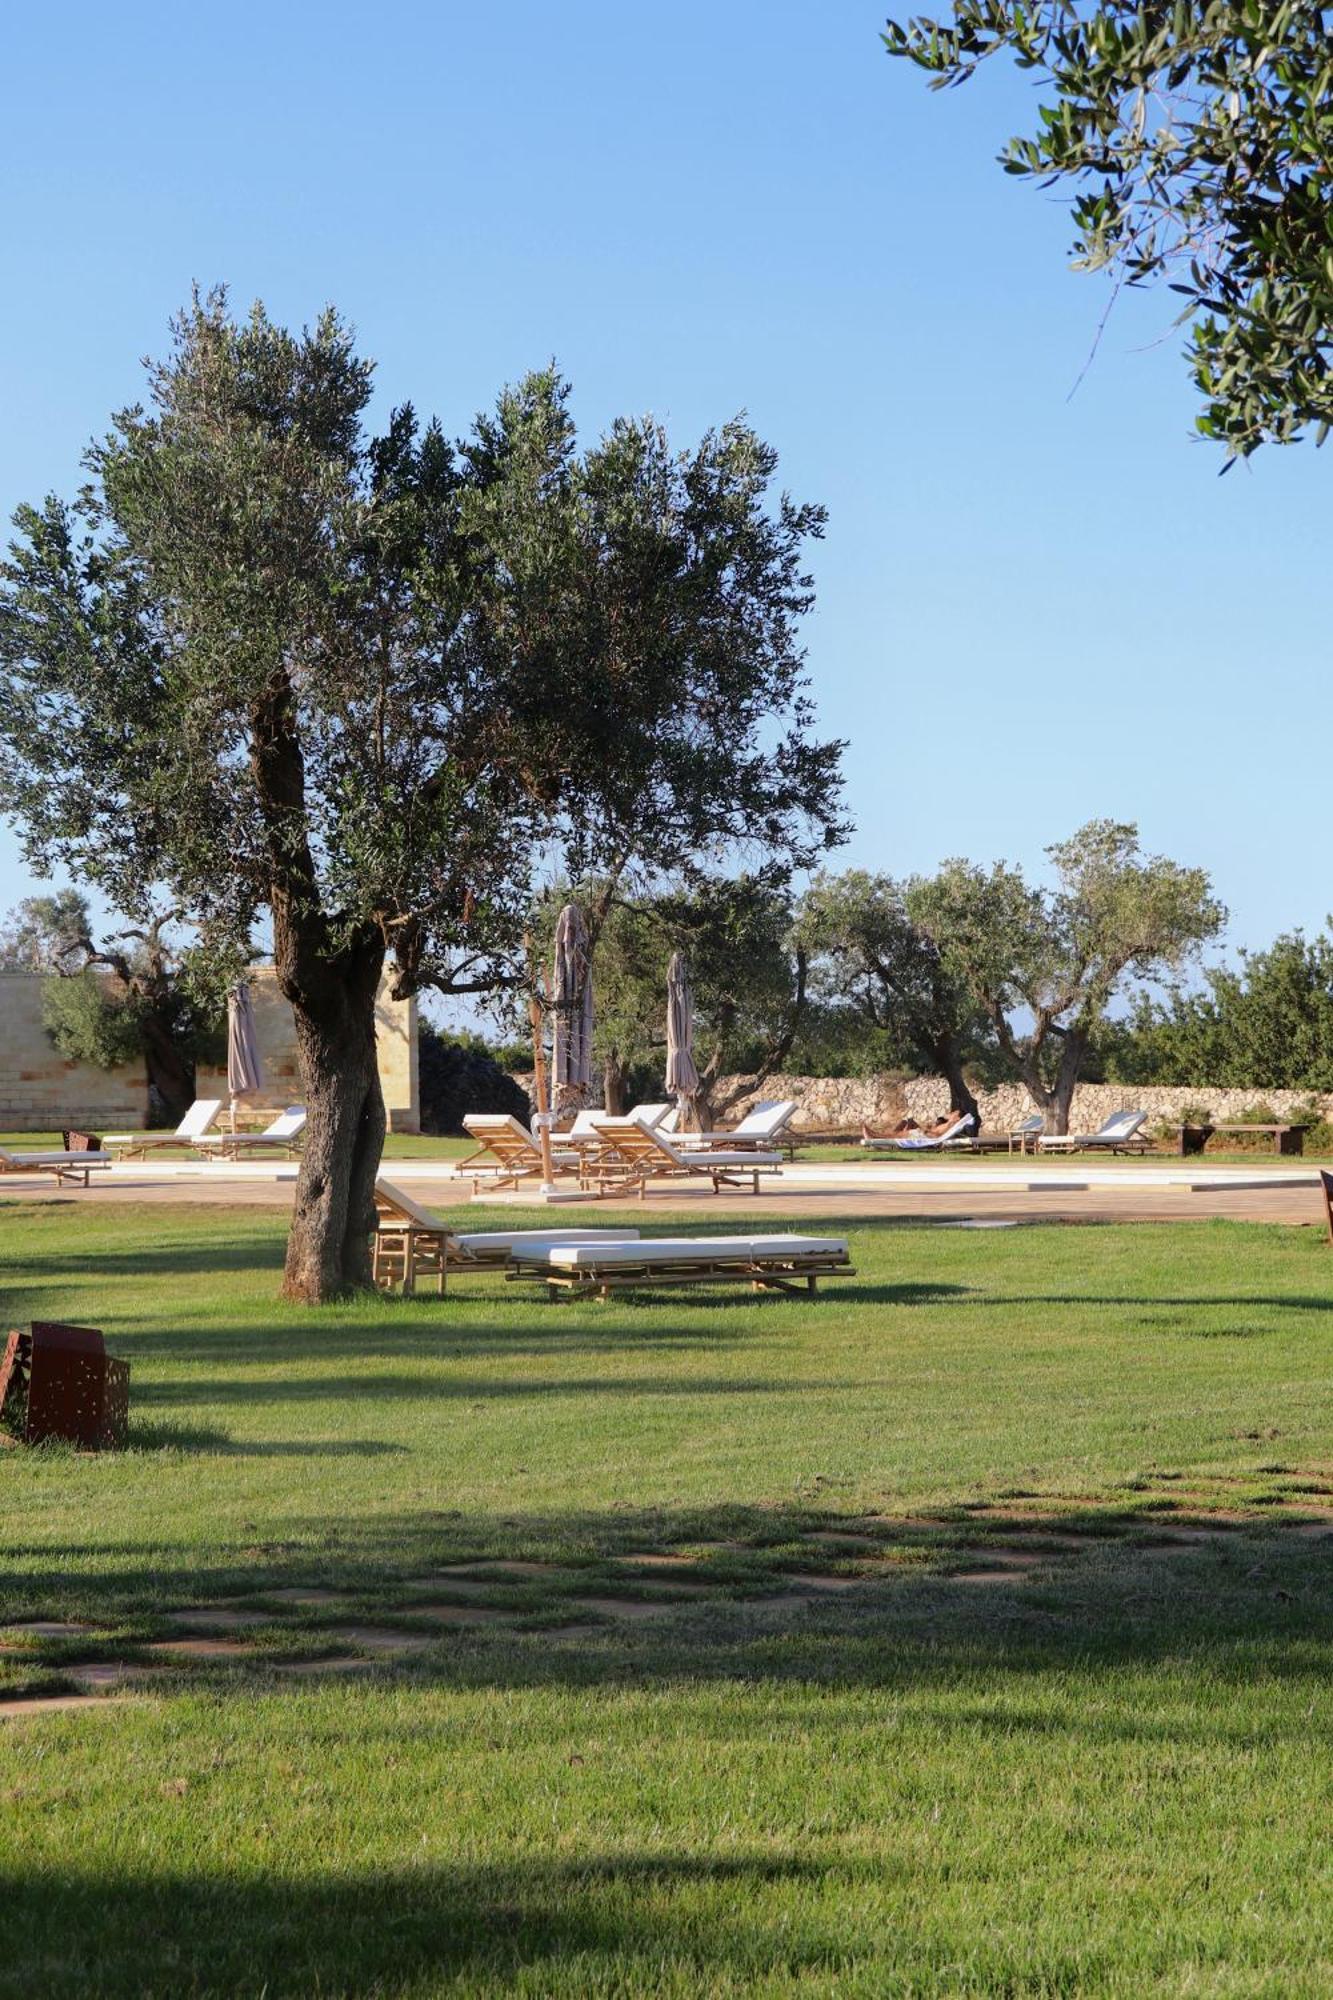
[
  {"x": 245, "y": 1068},
  {"x": 571, "y": 1001},
  {"x": 682, "y": 1078}
]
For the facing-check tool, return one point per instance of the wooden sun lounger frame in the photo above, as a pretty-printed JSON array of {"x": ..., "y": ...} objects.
[
  {"x": 517, "y": 1156},
  {"x": 411, "y": 1241},
  {"x": 794, "y": 1273},
  {"x": 70, "y": 1169},
  {"x": 631, "y": 1156}
]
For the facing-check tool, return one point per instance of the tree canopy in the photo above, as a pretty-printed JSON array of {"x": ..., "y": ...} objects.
[
  {"x": 870, "y": 942},
  {"x": 1265, "y": 1024},
  {"x": 1198, "y": 139},
  {"x": 1044, "y": 965},
  {"x": 270, "y": 664}
]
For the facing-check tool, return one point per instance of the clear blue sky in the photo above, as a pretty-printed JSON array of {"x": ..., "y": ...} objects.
[{"x": 1032, "y": 609}]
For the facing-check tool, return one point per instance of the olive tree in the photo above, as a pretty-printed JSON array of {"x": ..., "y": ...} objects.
[
  {"x": 280, "y": 668},
  {"x": 123, "y": 996},
  {"x": 1044, "y": 965},
  {"x": 1198, "y": 139},
  {"x": 874, "y": 953}
]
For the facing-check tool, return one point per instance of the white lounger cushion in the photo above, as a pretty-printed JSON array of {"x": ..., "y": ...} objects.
[
  {"x": 196, "y": 1121},
  {"x": 12, "y": 1159},
  {"x": 694, "y": 1250},
  {"x": 287, "y": 1125},
  {"x": 535, "y": 1239}
]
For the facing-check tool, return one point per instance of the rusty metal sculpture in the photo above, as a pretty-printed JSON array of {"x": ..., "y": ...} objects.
[{"x": 65, "y": 1385}]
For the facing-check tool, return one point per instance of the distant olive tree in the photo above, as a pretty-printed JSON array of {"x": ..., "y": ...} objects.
[
  {"x": 873, "y": 953},
  {"x": 122, "y": 997},
  {"x": 1045, "y": 965}
]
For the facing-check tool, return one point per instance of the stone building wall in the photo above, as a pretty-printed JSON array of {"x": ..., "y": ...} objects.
[{"x": 41, "y": 1092}]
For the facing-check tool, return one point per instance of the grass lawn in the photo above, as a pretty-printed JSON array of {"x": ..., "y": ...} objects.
[{"x": 1103, "y": 1769}]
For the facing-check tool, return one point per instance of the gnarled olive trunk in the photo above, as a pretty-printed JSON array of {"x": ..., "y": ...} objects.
[
  {"x": 613, "y": 1085},
  {"x": 950, "y": 1066},
  {"x": 1055, "y": 1100},
  {"x": 170, "y": 1072},
  {"x": 328, "y": 1250}
]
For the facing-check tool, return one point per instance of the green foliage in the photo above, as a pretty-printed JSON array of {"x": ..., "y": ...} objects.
[
  {"x": 1198, "y": 138},
  {"x": 1267, "y": 1023},
  {"x": 1044, "y": 965},
  {"x": 458, "y": 1076},
  {"x": 93, "y": 1020},
  {"x": 46, "y": 933},
  {"x": 876, "y": 957}
]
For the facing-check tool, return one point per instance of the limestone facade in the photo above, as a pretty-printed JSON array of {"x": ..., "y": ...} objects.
[{"x": 41, "y": 1092}]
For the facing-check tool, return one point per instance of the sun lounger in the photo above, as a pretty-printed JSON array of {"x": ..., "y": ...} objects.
[
  {"x": 958, "y": 1134},
  {"x": 71, "y": 1168},
  {"x": 768, "y": 1263},
  {"x": 1119, "y": 1134},
  {"x": 282, "y": 1136},
  {"x": 507, "y": 1153},
  {"x": 134, "y": 1145},
  {"x": 412, "y": 1241},
  {"x": 763, "y": 1127},
  {"x": 1016, "y": 1141},
  {"x": 632, "y": 1155}
]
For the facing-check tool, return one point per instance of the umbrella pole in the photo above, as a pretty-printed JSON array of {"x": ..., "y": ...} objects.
[{"x": 543, "y": 1118}]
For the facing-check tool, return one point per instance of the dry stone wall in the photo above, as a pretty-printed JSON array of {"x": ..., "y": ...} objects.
[
  {"x": 41, "y": 1092},
  {"x": 841, "y": 1104}
]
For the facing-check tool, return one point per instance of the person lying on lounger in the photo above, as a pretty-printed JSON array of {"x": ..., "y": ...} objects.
[{"x": 898, "y": 1131}]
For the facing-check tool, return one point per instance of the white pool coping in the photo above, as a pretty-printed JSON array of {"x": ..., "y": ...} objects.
[{"x": 956, "y": 1177}]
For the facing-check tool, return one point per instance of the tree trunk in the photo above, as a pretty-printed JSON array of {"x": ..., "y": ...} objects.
[
  {"x": 613, "y": 1085},
  {"x": 170, "y": 1075},
  {"x": 1073, "y": 1047},
  {"x": 949, "y": 1064},
  {"x": 328, "y": 1250},
  {"x": 1055, "y": 1101}
]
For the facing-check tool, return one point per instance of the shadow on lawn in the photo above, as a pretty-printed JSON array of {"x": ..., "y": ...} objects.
[
  {"x": 598, "y": 1918},
  {"x": 1111, "y": 1586}
]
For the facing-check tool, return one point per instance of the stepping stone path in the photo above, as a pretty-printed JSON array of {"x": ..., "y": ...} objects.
[
  {"x": 205, "y": 1618},
  {"x": 298, "y": 1595},
  {"x": 47, "y": 1628},
  {"x": 377, "y": 1638},
  {"x": 199, "y": 1649},
  {"x": 665, "y": 1582}
]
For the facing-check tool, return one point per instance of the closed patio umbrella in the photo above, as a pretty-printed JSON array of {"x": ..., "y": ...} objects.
[
  {"x": 245, "y": 1068},
  {"x": 571, "y": 1000},
  {"x": 682, "y": 1078}
]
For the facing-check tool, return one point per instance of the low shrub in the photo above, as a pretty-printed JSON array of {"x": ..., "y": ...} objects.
[{"x": 456, "y": 1078}]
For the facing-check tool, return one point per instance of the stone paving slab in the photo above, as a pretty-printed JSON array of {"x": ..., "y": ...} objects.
[
  {"x": 299, "y": 1594},
  {"x": 200, "y": 1649},
  {"x": 377, "y": 1638},
  {"x": 212, "y": 1618}
]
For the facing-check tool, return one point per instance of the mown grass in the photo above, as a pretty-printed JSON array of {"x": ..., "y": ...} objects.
[{"x": 1111, "y": 1777}]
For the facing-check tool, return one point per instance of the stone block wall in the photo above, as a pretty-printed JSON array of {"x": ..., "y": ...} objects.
[
  {"x": 41, "y": 1092},
  {"x": 840, "y": 1104}
]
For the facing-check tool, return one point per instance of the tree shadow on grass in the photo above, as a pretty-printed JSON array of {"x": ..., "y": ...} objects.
[
  {"x": 405, "y": 1386},
  {"x": 683, "y": 1920},
  {"x": 1131, "y": 1581}
]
